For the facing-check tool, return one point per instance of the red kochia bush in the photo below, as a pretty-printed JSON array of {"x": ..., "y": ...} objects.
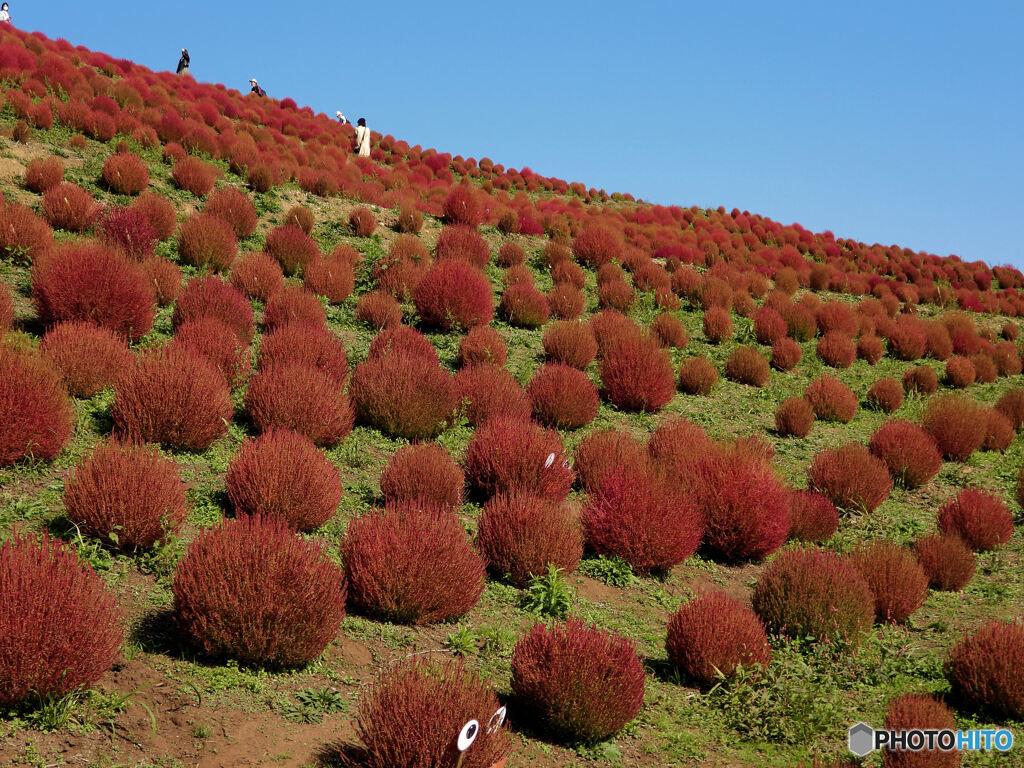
[
  {"x": 908, "y": 451},
  {"x": 87, "y": 357},
  {"x": 300, "y": 397},
  {"x": 610, "y": 327},
  {"x": 300, "y": 216},
  {"x": 211, "y": 296},
  {"x": 806, "y": 592},
  {"x": 617, "y": 295},
  {"x": 562, "y": 396},
  {"x": 293, "y": 305},
  {"x": 482, "y": 344},
  {"x": 747, "y": 366},
  {"x": 896, "y": 579},
  {"x": 206, "y": 240},
  {"x": 907, "y": 340},
  {"x": 581, "y": 683},
  {"x": 675, "y": 445},
  {"x": 985, "y": 370},
  {"x": 125, "y": 173},
  {"x": 173, "y": 397},
  {"x": 37, "y": 416},
  {"x": 1011, "y": 403},
  {"x": 511, "y": 254},
  {"x": 914, "y": 711},
  {"x": 404, "y": 395},
  {"x": 305, "y": 344},
  {"x": 851, "y": 477},
  {"x": 61, "y": 627},
  {"x": 959, "y": 372},
  {"x": 423, "y": 473},
  {"x": 407, "y": 718},
  {"x": 331, "y": 277},
  {"x": 252, "y": 590},
  {"x": 521, "y": 535},
  {"x": 129, "y": 231},
  {"x": 837, "y": 349},
  {"x": 921, "y": 379},
  {"x": 957, "y": 423},
  {"x": 697, "y": 375},
  {"x": 869, "y": 349},
  {"x": 886, "y": 395},
  {"x": 600, "y": 453},
  {"x": 281, "y": 475},
  {"x": 744, "y": 505},
  {"x": 129, "y": 495},
  {"x": 6, "y": 309},
  {"x": 709, "y": 637},
  {"x": 570, "y": 342},
  {"x": 794, "y": 416},
  {"x": 195, "y": 176},
  {"x": 257, "y": 275},
  {"x": 981, "y": 519},
  {"x": 566, "y": 302},
  {"x": 462, "y": 244},
  {"x": 43, "y": 173},
  {"x": 669, "y": 331},
  {"x": 511, "y": 454},
  {"x": 68, "y": 206},
  {"x": 461, "y": 207},
  {"x": 812, "y": 516},
  {"x": 412, "y": 564},
  {"x": 643, "y": 518},
  {"x": 160, "y": 212},
  {"x": 292, "y": 248},
  {"x": 524, "y": 306},
  {"x": 637, "y": 375},
  {"x": 986, "y": 668},
  {"x": 786, "y": 353},
  {"x": 769, "y": 326},
  {"x": 831, "y": 399},
  {"x": 595, "y": 246},
  {"x": 23, "y": 235},
  {"x": 453, "y": 295},
  {"x": 362, "y": 221},
  {"x": 999, "y": 432},
  {"x": 717, "y": 324},
  {"x": 486, "y": 390},
  {"x": 234, "y": 207},
  {"x": 948, "y": 563},
  {"x": 91, "y": 283}
]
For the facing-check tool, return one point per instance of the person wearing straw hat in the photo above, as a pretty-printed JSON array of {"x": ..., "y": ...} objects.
[{"x": 256, "y": 87}]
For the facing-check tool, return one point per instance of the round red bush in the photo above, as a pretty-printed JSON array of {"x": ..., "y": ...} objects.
[
  {"x": 595, "y": 246},
  {"x": 209, "y": 241},
  {"x": 453, "y": 295},
  {"x": 886, "y": 395},
  {"x": 87, "y": 357},
  {"x": 211, "y": 339},
  {"x": 1007, "y": 359},
  {"x": 959, "y": 372},
  {"x": 794, "y": 416},
  {"x": 566, "y": 302},
  {"x": 412, "y": 564},
  {"x": 300, "y": 216},
  {"x": 461, "y": 207},
  {"x": 193, "y": 175},
  {"x": 362, "y": 221},
  {"x": 331, "y": 277},
  {"x": 851, "y": 477},
  {"x": 897, "y": 581},
  {"x": 310, "y": 345},
  {"x": 981, "y": 519},
  {"x": 164, "y": 277},
  {"x": 423, "y": 473},
  {"x": 837, "y": 349},
  {"x": 91, "y": 283},
  {"x": 869, "y": 349},
  {"x": 909, "y": 452},
  {"x": 919, "y": 711},
  {"x": 404, "y": 395},
  {"x": 985, "y": 371},
  {"x": 37, "y": 415},
  {"x": 812, "y": 517},
  {"x": 300, "y": 397},
  {"x": 462, "y": 244},
  {"x": 999, "y": 432},
  {"x": 23, "y": 235},
  {"x": 61, "y": 626},
  {"x": 806, "y": 592},
  {"x": 637, "y": 375},
  {"x": 292, "y": 248},
  {"x": 510, "y": 454},
  {"x": 482, "y": 344},
  {"x": 600, "y": 453},
  {"x": 986, "y": 668},
  {"x": 293, "y": 305},
  {"x": 697, "y": 375},
  {"x": 769, "y": 327},
  {"x": 524, "y": 306},
  {"x": 717, "y": 324},
  {"x": 747, "y": 366},
  {"x": 282, "y": 476},
  {"x": 160, "y": 212},
  {"x": 957, "y": 423},
  {"x": 562, "y": 396},
  {"x": 907, "y": 340},
  {"x": 786, "y": 353},
  {"x": 1011, "y": 403},
  {"x": 486, "y": 390},
  {"x": 257, "y": 275},
  {"x": 570, "y": 342},
  {"x": 948, "y": 563},
  {"x": 568, "y": 272},
  {"x": 831, "y": 399},
  {"x": 128, "y": 495},
  {"x": 676, "y": 444},
  {"x": 125, "y": 174},
  {"x": 669, "y": 331},
  {"x": 234, "y": 207},
  {"x": 68, "y": 206},
  {"x": 509, "y": 255},
  {"x": 610, "y": 326},
  {"x": 709, "y": 637},
  {"x": 128, "y": 231},
  {"x": 617, "y": 295},
  {"x": 211, "y": 296},
  {"x": 43, "y": 173},
  {"x": 921, "y": 379},
  {"x": 252, "y": 590}
]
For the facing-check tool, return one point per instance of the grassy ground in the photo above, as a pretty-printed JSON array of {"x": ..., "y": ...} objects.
[{"x": 164, "y": 706}]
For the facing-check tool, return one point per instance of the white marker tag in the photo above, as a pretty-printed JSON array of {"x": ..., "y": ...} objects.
[
  {"x": 468, "y": 735},
  {"x": 497, "y": 720}
]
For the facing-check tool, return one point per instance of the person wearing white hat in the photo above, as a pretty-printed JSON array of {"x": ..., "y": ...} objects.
[
  {"x": 341, "y": 118},
  {"x": 256, "y": 87},
  {"x": 183, "y": 62}
]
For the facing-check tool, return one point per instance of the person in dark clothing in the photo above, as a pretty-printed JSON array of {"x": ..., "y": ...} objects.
[
  {"x": 183, "y": 62},
  {"x": 256, "y": 88}
]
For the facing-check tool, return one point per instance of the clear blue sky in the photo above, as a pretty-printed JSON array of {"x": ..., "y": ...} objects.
[{"x": 887, "y": 122}]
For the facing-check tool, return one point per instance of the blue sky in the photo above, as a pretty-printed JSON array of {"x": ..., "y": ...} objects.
[{"x": 885, "y": 122}]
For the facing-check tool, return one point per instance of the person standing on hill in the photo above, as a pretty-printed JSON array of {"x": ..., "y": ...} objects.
[
  {"x": 256, "y": 87},
  {"x": 341, "y": 118},
  {"x": 362, "y": 138},
  {"x": 183, "y": 62},
  {"x": 5, "y": 13}
]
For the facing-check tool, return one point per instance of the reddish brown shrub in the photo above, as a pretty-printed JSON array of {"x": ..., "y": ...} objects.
[
  {"x": 851, "y": 477},
  {"x": 676, "y": 444},
  {"x": 697, "y": 375},
  {"x": 300, "y": 397},
  {"x": 909, "y": 452},
  {"x": 812, "y": 517},
  {"x": 87, "y": 357},
  {"x": 919, "y": 711},
  {"x": 981, "y": 519},
  {"x": 462, "y": 244},
  {"x": 939, "y": 344},
  {"x": 407, "y": 718},
  {"x": 869, "y": 349},
  {"x": 164, "y": 277},
  {"x": 262, "y": 178},
  {"x": 410, "y": 220},
  {"x": 331, "y": 277},
  {"x": 709, "y": 637},
  {"x": 1007, "y": 359},
  {"x": 786, "y": 353},
  {"x": 23, "y": 235},
  {"x": 837, "y": 316},
  {"x": 300, "y": 216},
  {"x": 305, "y": 344},
  {"x": 392, "y": 558},
  {"x": 907, "y": 340},
  {"x": 209, "y": 241},
  {"x": 959, "y": 372},
  {"x": 404, "y": 395},
  {"x": 173, "y": 397},
  {"x": 610, "y": 273},
  {"x": 403, "y": 340},
  {"x": 461, "y": 207},
  {"x": 1011, "y": 403},
  {"x": 234, "y": 207},
  {"x": 610, "y": 326},
  {"x": 211, "y": 339},
  {"x": 999, "y": 431},
  {"x": 572, "y": 343},
  {"x": 258, "y": 276},
  {"x": 637, "y": 375},
  {"x": 160, "y": 212},
  {"x": 717, "y": 324},
  {"x": 6, "y": 309},
  {"x": 292, "y": 248},
  {"x": 985, "y": 371},
  {"x": 252, "y": 590},
  {"x": 568, "y": 272},
  {"x": 453, "y": 295},
  {"x": 128, "y": 231},
  {"x": 806, "y": 592},
  {"x": 510, "y": 255},
  {"x": 831, "y": 399},
  {"x": 125, "y": 174},
  {"x": 897, "y": 581},
  {"x": 486, "y": 390},
  {"x": 362, "y": 221},
  {"x": 595, "y": 246},
  {"x": 947, "y": 561},
  {"x": 68, "y": 206},
  {"x": 211, "y": 296},
  {"x": 37, "y": 416},
  {"x": 747, "y": 366},
  {"x": 669, "y": 331},
  {"x": 378, "y": 310},
  {"x": 837, "y": 350},
  {"x": 509, "y": 454},
  {"x": 886, "y": 395},
  {"x": 600, "y": 453},
  {"x": 91, "y": 283},
  {"x": 482, "y": 344},
  {"x": 282, "y": 476},
  {"x": 800, "y": 323},
  {"x": 43, "y": 173},
  {"x": 562, "y": 396},
  {"x": 616, "y": 295},
  {"x": 642, "y": 517},
  {"x": 921, "y": 379},
  {"x": 524, "y": 306},
  {"x": 293, "y": 305},
  {"x": 581, "y": 683},
  {"x": 193, "y": 175},
  {"x": 423, "y": 473},
  {"x": 957, "y": 423},
  {"x": 61, "y": 625},
  {"x": 769, "y": 326},
  {"x": 794, "y": 416},
  {"x": 986, "y": 668}
]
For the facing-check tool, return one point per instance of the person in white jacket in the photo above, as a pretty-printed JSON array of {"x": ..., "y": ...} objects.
[
  {"x": 362, "y": 138},
  {"x": 341, "y": 118},
  {"x": 5, "y": 13}
]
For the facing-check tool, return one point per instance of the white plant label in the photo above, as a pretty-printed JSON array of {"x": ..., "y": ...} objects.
[
  {"x": 468, "y": 735},
  {"x": 497, "y": 720}
]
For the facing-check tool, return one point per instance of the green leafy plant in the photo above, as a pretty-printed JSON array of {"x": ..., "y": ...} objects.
[
  {"x": 613, "y": 571},
  {"x": 549, "y": 595},
  {"x": 311, "y": 704},
  {"x": 462, "y": 642}
]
